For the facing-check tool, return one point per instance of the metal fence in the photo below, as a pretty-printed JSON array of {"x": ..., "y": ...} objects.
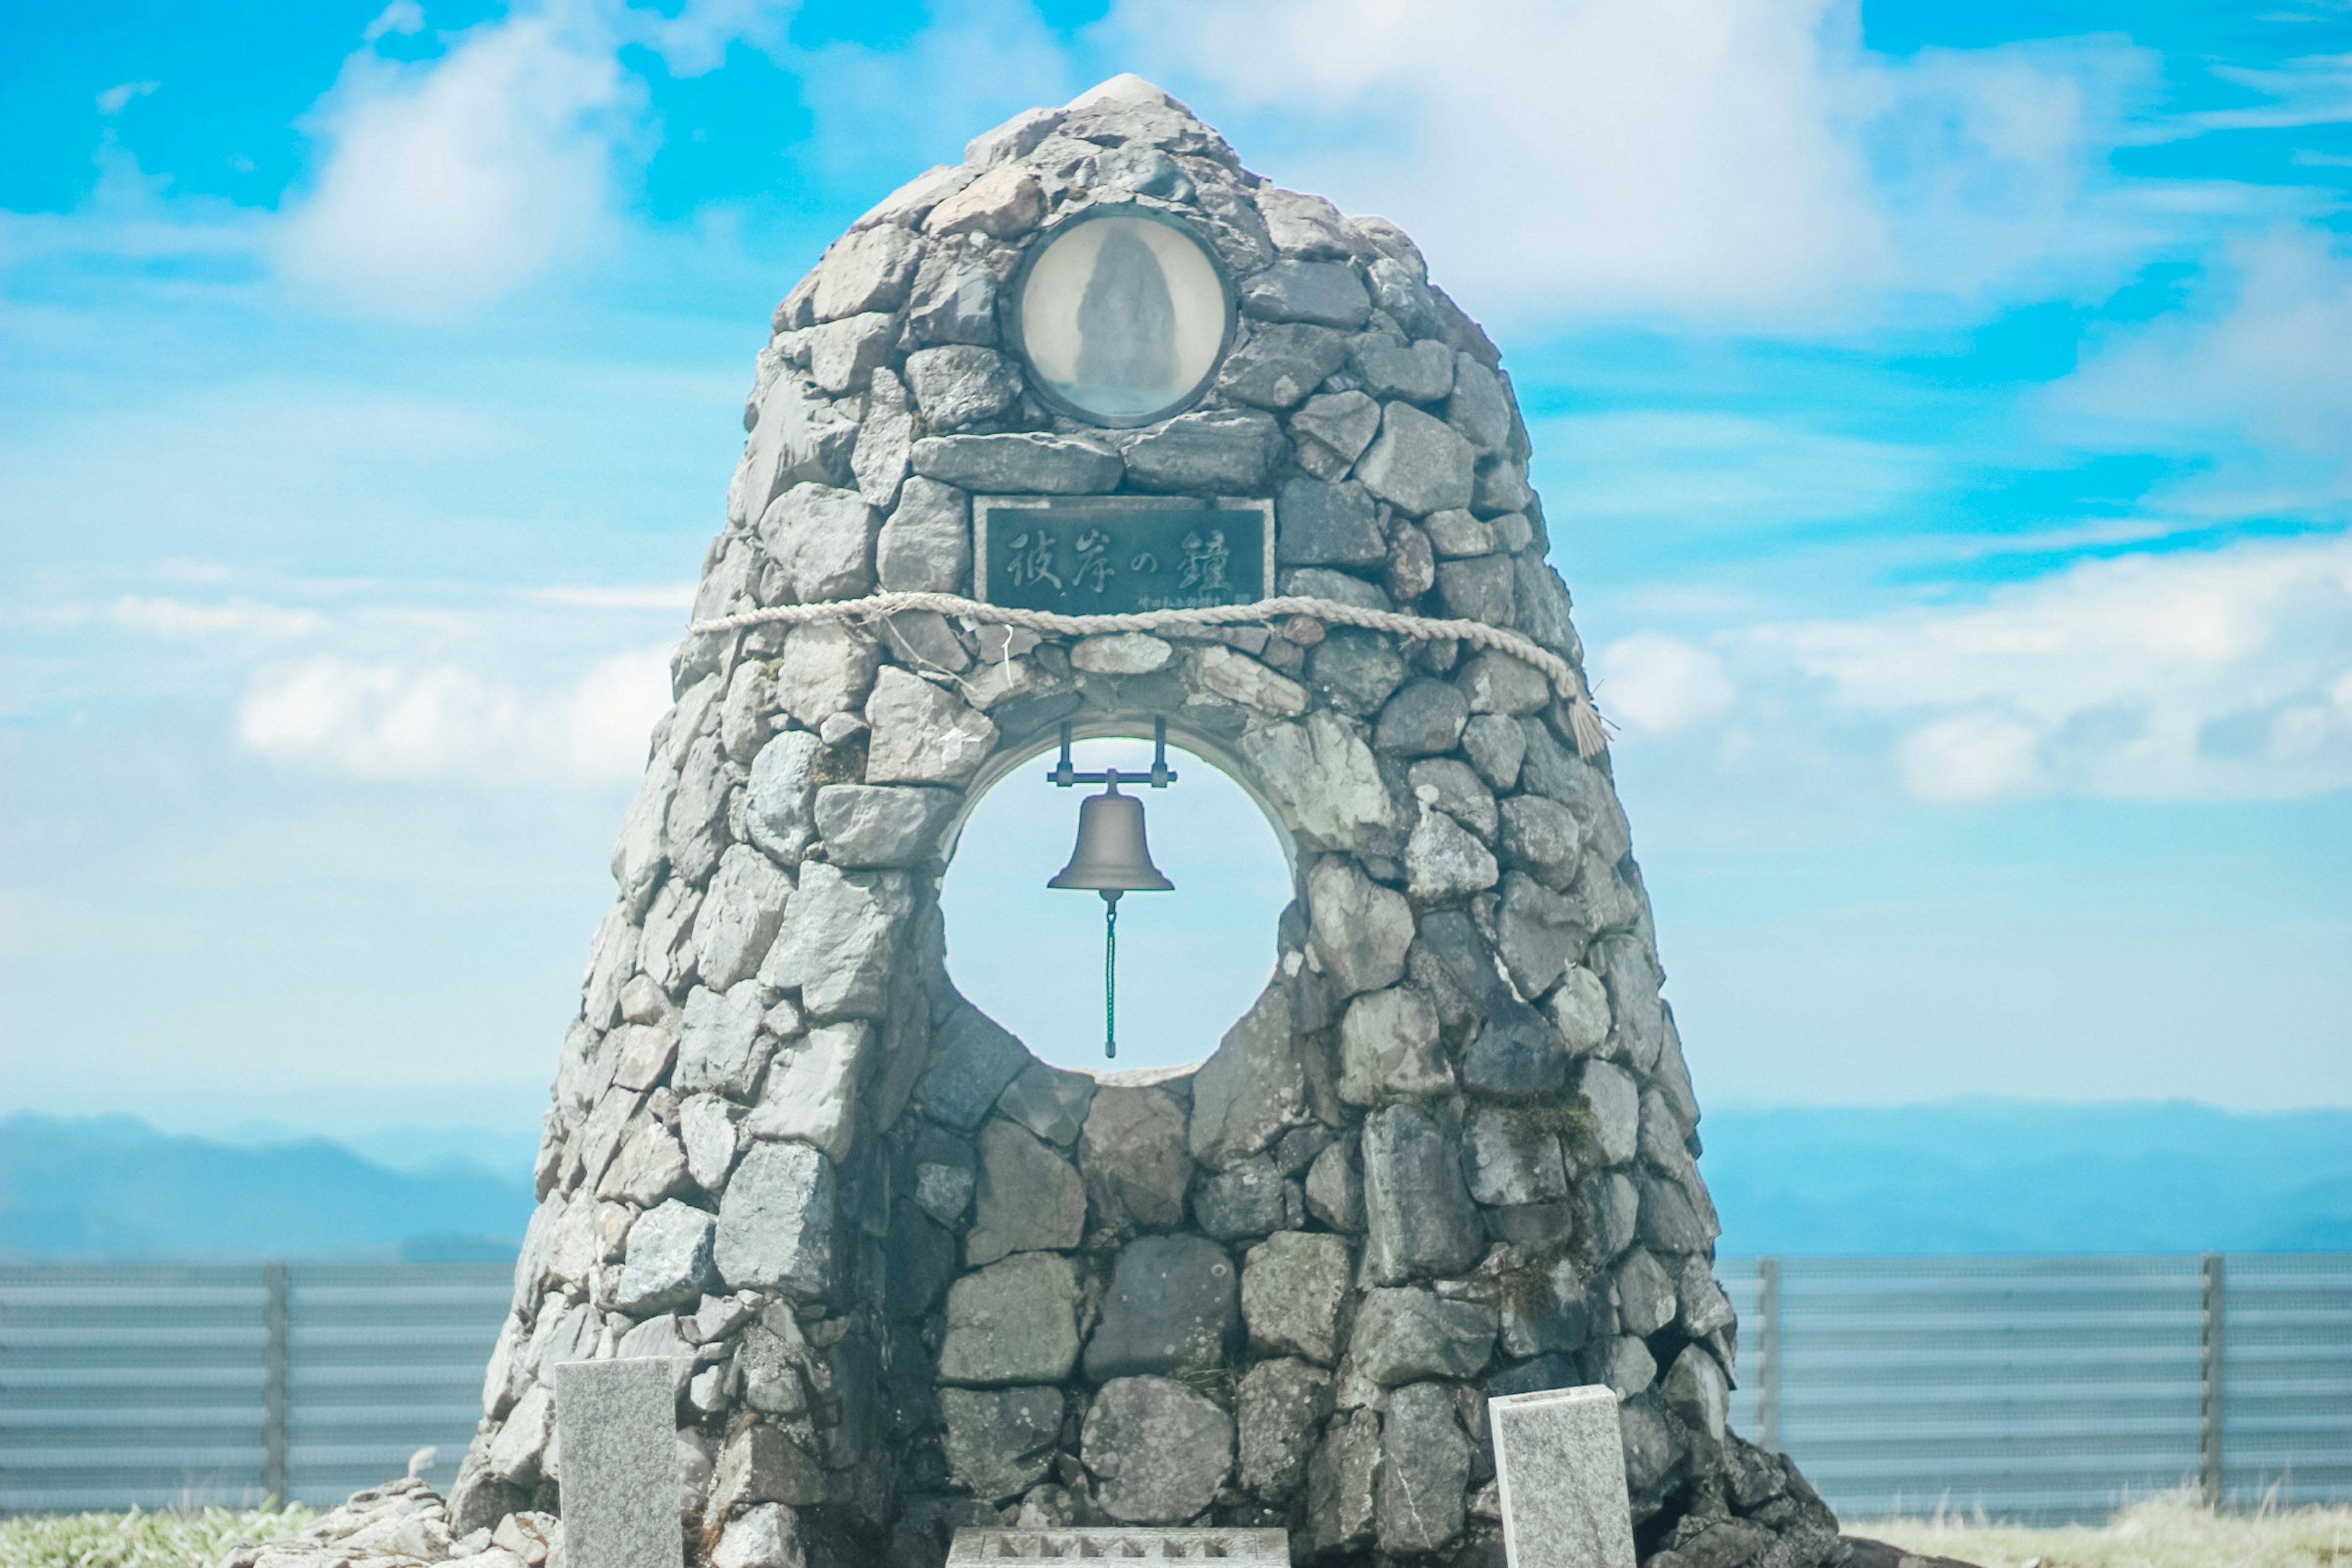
[
  {"x": 163, "y": 1386},
  {"x": 2049, "y": 1389},
  {"x": 2038, "y": 1388}
]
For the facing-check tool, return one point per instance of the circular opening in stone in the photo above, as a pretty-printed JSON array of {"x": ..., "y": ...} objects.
[
  {"x": 1124, "y": 314},
  {"x": 1191, "y": 962}
]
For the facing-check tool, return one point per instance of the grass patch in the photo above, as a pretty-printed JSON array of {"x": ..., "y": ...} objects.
[
  {"x": 2164, "y": 1532},
  {"x": 194, "y": 1538}
]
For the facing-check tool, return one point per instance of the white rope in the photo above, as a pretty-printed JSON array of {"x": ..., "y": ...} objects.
[{"x": 1584, "y": 720}]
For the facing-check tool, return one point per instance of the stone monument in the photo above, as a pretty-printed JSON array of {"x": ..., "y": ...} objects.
[
  {"x": 923, "y": 1281},
  {"x": 616, "y": 1425},
  {"x": 1560, "y": 1485}
]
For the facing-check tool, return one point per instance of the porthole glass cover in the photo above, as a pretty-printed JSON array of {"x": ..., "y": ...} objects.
[{"x": 1123, "y": 315}]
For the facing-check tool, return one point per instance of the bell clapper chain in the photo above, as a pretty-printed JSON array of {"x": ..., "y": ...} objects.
[
  {"x": 1111, "y": 858},
  {"x": 1110, "y": 974}
]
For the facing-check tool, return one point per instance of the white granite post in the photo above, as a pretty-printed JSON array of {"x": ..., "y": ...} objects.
[
  {"x": 617, "y": 1426},
  {"x": 1559, "y": 1463}
]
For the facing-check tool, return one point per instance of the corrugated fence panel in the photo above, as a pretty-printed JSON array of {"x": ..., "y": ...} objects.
[
  {"x": 2047, "y": 1389},
  {"x": 2287, "y": 1391},
  {"x": 127, "y": 1385},
  {"x": 386, "y": 1361},
  {"x": 2038, "y": 1388}
]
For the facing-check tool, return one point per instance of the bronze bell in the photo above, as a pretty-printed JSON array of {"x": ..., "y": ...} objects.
[{"x": 1111, "y": 858}]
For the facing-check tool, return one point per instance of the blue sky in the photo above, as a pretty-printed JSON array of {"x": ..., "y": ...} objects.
[{"x": 1943, "y": 413}]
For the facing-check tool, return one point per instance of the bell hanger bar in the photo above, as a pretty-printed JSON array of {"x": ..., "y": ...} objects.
[{"x": 1160, "y": 777}]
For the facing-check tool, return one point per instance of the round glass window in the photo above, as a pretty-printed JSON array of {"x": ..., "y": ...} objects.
[{"x": 1124, "y": 314}]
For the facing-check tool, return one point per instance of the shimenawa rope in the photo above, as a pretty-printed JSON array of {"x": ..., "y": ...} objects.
[{"x": 1584, "y": 720}]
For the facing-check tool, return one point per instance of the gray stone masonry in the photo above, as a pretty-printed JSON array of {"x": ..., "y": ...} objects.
[{"x": 906, "y": 1279}]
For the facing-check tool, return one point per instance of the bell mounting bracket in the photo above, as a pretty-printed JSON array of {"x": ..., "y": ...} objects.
[{"x": 1160, "y": 777}]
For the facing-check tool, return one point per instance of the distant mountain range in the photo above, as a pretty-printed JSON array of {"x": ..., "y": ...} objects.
[
  {"x": 114, "y": 1187},
  {"x": 1957, "y": 1178}
]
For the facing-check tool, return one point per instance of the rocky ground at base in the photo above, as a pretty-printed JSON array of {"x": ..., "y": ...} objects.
[{"x": 406, "y": 1523}]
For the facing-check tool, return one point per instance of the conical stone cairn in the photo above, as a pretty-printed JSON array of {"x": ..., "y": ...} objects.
[{"x": 912, "y": 1277}]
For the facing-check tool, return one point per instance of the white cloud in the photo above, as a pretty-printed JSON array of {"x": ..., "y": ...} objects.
[
  {"x": 1661, "y": 684},
  {"x": 454, "y": 181},
  {"x": 2216, "y": 674},
  {"x": 391, "y": 720},
  {"x": 2254, "y": 371},
  {"x": 181, "y": 618},
  {"x": 116, "y": 98},
  {"x": 401, "y": 16},
  {"x": 1971, "y": 759},
  {"x": 648, "y": 596},
  {"x": 1701, "y": 157}
]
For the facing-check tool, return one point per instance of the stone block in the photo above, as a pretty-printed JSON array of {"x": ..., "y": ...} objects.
[
  {"x": 1343, "y": 422},
  {"x": 1157, "y": 1451},
  {"x": 1211, "y": 452},
  {"x": 1355, "y": 669},
  {"x": 1341, "y": 1481},
  {"x": 1171, "y": 1306},
  {"x": 838, "y": 942},
  {"x": 1509, "y": 1158},
  {"x": 1360, "y": 929},
  {"x": 824, "y": 670},
  {"x": 1323, "y": 778},
  {"x": 1417, "y": 373},
  {"x": 811, "y": 1089},
  {"x": 1001, "y": 204},
  {"x": 1277, "y": 365},
  {"x": 766, "y": 1535},
  {"x": 1424, "y": 719},
  {"x": 973, "y": 1057},
  {"x": 717, "y": 1040},
  {"x": 1559, "y": 1465},
  {"x": 926, "y": 545},
  {"x": 1444, "y": 862},
  {"x": 1327, "y": 293},
  {"x": 1514, "y": 1055},
  {"x": 1001, "y": 1441},
  {"x": 1480, "y": 408},
  {"x": 1405, "y": 1334},
  {"x": 738, "y": 916},
  {"x": 1479, "y": 588},
  {"x": 1049, "y": 1101},
  {"x": 845, "y": 354},
  {"x": 1389, "y": 1049},
  {"x": 1277, "y": 1412},
  {"x": 1020, "y": 464},
  {"x": 1616, "y": 1105},
  {"x": 1029, "y": 1198},
  {"x": 867, "y": 270},
  {"x": 1416, "y": 463},
  {"x": 617, "y": 1423},
  {"x": 869, "y": 825},
  {"x": 1249, "y": 1199},
  {"x": 961, "y": 384},
  {"x": 922, "y": 734},
  {"x": 1294, "y": 1287},
  {"x": 1418, "y": 1502},
  {"x": 1134, "y": 1157},
  {"x": 1253, "y": 1087},
  {"x": 670, "y": 1260},
  {"x": 1012, "y": 1322},
  {"x": 1418, "y": 1212},
  {"x": 776, "y": 1221}
]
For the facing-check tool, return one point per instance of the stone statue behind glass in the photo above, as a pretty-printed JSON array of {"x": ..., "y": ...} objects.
[{"x": 1126, "y": 322}]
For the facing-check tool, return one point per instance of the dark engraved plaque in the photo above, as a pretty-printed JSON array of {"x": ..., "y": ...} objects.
[{"x": 1091, "y": 555}]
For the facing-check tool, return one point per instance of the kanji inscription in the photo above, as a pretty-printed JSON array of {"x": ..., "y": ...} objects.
[{"x": 1103, "y": 556}]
